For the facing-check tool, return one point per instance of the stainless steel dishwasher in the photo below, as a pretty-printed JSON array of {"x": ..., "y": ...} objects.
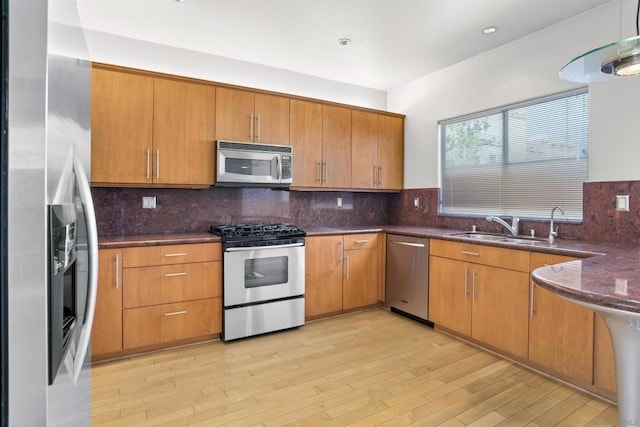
[{"x": 407, "y": 284}]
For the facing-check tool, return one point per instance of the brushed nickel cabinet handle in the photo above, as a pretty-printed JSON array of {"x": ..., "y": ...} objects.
[
  {"x": 470, "y": 253},
  {"x": 375, "y": 179},
  {"x": 175, "y": 313},
  {"x": 346, "y": 259},
  {"x": 379, "y": 175},
  {"x": 318, "y": 163},
  {"x": 341, "y": 252},
  {"x": 251, "y": 127},
  {"x": 158, "y": 164},
  {"x": 148, "y": 163},
  {"x": 473, "y": 285},
  {"x": 117, "y": 271},
  {"x": 177, "y": 254},
  {"x": 174, "y": 274},
  {"x": 531, "y": 303},
  {"x": 466, "y": 282},
  {"x": 326, "y": 171},
  {"x": 259, "y": 125}
]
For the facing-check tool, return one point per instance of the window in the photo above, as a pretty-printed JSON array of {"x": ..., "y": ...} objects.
[{"x": 519, "y": 160}]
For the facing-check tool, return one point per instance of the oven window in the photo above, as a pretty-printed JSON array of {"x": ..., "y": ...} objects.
[
  {"x": 266, "y": 271},
  {"x": 250, "y": 167}
]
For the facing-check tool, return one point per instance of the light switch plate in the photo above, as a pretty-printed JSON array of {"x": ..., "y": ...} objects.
[
  {"x": 622, "y": 202},
  {"x": 148, "y": 203},
  {"x": 416, "y": 202}
]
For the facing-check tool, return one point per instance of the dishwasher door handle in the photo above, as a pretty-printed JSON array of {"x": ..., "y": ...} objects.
[{"x": 413, "y": 245}]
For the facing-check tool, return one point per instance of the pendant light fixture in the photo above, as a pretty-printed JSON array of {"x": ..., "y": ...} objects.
[{"x": 607, "y": 63}]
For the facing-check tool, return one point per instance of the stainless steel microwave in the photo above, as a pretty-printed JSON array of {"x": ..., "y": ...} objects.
[{"x": 242, "y": 164}]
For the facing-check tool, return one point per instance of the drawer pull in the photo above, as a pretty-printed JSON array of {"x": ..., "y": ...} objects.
[
  {"x": 413, "y": 245},
  {"x": 362, "y": 241},
  {"x": 180, "y": 254},
  {"x": 176, "y": 313},
  {"x": 174, "y": 274},
  {"x": 470, "y": 253}
]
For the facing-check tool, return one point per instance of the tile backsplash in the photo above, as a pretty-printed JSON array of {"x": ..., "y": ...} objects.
[{"x": 120, "y": 212}]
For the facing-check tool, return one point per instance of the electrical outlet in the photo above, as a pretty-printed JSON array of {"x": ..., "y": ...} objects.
[
  {"x": 148, "y": 203},
  {"x": 416, "y": 202},
  {"x": 339, "y": 202},
  {"x": 622, "y": 202}
]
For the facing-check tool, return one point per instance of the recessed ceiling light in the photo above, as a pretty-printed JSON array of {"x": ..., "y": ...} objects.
[
  {"x": 489, "y": 30},
  {"x": 344, "y": 41}
]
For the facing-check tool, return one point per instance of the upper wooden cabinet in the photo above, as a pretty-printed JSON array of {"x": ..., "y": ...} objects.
[
  {"x": 157, "y": 130},
  {"x": 121, "y": 127},
  {"x": 377, "y": 151},
  {"x": 252, "y": 117},
  {"x": 151, "y": 131},
  {"x": 183, "y": 133},
  {"x": 336, "y": 147},
  {"x": 305, "y": 134}
]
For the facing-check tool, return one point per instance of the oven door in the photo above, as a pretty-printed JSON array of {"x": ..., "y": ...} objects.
[{"x": 265, "y": 273}]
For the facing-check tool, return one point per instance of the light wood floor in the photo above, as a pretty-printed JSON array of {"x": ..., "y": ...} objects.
[{"x": 370, "y": 368}]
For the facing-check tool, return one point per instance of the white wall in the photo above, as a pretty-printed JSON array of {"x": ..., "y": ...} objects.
[
  {"x": 117, "y": 50},
  {"x": 522, "y": 70}
]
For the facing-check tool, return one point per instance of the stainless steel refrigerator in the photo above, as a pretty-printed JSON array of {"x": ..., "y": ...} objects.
[{"x": 46, "y": 141}]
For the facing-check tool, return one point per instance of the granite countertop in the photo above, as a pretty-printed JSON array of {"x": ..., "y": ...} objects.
[
  {"x": 106, "y": 242},
  {"x": 606, "y": 274}
]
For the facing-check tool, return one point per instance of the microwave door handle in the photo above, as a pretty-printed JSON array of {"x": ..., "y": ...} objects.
[
  {"x": 92, "y": 286},
  {"x": 279, "y": 168}
]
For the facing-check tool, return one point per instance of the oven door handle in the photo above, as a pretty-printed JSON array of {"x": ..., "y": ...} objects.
[{"x": 253, "y": 248}]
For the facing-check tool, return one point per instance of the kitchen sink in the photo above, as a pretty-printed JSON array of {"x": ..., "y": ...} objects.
[{"x": 488, "y": 237}]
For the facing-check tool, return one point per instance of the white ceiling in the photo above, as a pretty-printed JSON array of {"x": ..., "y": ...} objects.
[{"x": 393, "y": 41}]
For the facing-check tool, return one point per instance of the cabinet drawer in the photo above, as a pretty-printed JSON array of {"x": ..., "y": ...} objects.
[
  {"x": 171, "y": 254},
  {"x": 511, "y": 259},
  {"x": 171, "y": 322},
  {"x": 360, "y": 241},
  {"x": 171, "y": 283}
]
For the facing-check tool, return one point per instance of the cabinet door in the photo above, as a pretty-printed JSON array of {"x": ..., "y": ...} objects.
[
  {"x": 106, "y": 335},
  {"x": 390, "y": 152},
  {"x": 323, "y": 281},
  {"x": 234, "y": 115},
  {"x": 364, "y": 150},
  {"x": 604, "y": 371},
  {"x": 449, "y": 297},
  {"x": 306, "y": 139},
  {"x": 164, "y": 323},
  {"x": 499, "y": 309},
  {"x": 336, "y": 146},
  {"x": 272, "y": 119},
  {"x": 560, "y": 332},
  {"x": 121, "y": 127},
  {"x": 360, "y": 283},
  {"x": 183, "y": 133}
]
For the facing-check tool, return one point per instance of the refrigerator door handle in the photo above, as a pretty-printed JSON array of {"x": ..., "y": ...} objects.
[{"x": 92, "y": 288}]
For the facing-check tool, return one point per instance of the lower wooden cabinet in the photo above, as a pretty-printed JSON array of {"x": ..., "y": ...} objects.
[
  {"x": 155, "y": 295},
  {"x": 166, "y": 323},
  {"x": 486, "y": 303},
  {"x": 323, "y": 276},
  {"x": 342, "y": 273},
  {"x": 106, "y": 335},
  {"x": 560, "y": 332},
  {"x": 604, "y": 371},
  {"x": 360, "y": 280}
]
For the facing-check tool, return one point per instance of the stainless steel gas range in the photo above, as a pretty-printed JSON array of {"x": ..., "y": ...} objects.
[{"x": 263, "y": 278}]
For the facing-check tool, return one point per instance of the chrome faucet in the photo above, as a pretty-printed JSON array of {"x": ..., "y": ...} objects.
[
  {"x": 513, "y": 228},
  {"x": 554, "y": 233}
]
